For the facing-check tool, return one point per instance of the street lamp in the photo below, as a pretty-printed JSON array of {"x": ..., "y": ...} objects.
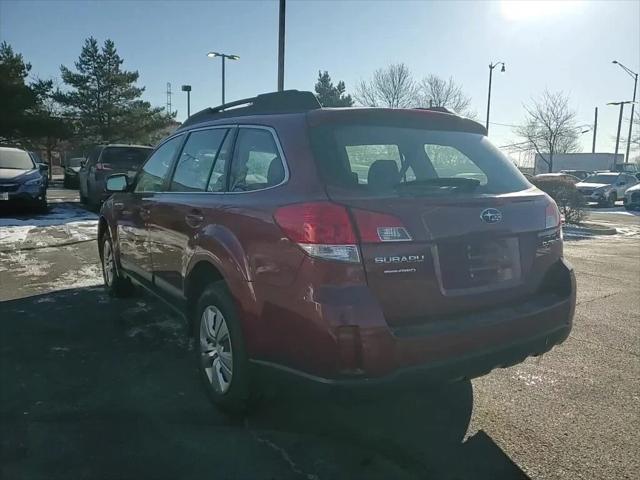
[
  {"x": 491, "y": 67},
  {"x": 223, "y": 56},
  {"x": 622, "y": 104},
  {"x": 634, "y": 75},
  {"x": 187, "y": 88}
]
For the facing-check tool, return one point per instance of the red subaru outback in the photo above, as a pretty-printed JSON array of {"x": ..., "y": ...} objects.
[{"x": 346, "y": 246}]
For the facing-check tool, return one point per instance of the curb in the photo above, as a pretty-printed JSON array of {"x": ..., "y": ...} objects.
[{"x": 39, "y": 247}]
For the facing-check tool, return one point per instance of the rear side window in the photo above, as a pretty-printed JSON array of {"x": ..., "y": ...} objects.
[
  {"x": 391, "y": 160},
  {"x": 125, "y": 157},
  {"x": 196, "y": 160},
  {"x": 154, "y": 172},
  {"x": 256, "y": 162}
]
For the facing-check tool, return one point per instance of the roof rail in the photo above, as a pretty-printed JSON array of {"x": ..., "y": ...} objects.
[
  {"x": 287, "y": 101},
  {"x": 437, "y": 109}
]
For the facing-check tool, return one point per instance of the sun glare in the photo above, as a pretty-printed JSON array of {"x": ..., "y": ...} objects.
[{"x": 536, "y": 9}]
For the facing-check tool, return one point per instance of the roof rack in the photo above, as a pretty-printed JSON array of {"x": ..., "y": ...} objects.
[
  {"x": 436, "y": 109},
  {"x": 287, "y": 101}
]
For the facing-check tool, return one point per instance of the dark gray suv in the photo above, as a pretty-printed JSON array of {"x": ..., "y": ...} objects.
[{"x": 105, "y": 160}]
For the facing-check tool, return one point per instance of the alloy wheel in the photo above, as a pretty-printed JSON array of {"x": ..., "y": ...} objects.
[
  {"x": 216, "y": 354},
  {"x": 108, "y": 263}
]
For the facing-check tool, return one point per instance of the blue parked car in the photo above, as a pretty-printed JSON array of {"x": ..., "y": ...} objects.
[{"x": 22, "y": 180}]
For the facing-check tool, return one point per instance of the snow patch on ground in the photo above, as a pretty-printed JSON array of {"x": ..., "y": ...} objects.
[
  {"x": 87, "y": 276},
  {"x": 63, "y": 224},
  {"x": 23, "y": 265}
]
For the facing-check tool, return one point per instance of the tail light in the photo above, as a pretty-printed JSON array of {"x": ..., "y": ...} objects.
[
  {"x": 552, "y": 215},
  {"x": 321, "y": 229},
  {"x": 103, "y": 166},
  {"x": 377, "y": 227}
]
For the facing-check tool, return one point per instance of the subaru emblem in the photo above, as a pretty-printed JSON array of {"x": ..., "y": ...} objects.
[{"x": 491, "y": 215}]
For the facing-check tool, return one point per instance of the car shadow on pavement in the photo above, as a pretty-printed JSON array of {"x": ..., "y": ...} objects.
[
  {"x": 93, "y": 387},
  {"x": 422, "y": 429}
]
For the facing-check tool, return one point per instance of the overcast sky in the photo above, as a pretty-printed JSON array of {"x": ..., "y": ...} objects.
[{"x": 564, "y": 46}]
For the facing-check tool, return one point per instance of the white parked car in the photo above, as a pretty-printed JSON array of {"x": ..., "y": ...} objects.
[
  {"x": 632, "y": 198},
  {"x": 606, "y": 188}
]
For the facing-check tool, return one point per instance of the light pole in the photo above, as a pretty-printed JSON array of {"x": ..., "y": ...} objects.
[
  {"x": 622, "y": 104},
  {"x": 634, "y": 75},
  {"x": 491, "y": 67},
  {"x": 187, "y": 88},
  {"x": 223, "y": 56}
]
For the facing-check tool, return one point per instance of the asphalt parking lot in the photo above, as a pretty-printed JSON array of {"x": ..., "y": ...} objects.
[{"x": 92, "y": 387}]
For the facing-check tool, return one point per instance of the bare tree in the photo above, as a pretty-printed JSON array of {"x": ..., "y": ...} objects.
[
  {"x": 391, "y": 86},
  {"x": 438, "y": 92},
  {"x": 550, "y": 127}
]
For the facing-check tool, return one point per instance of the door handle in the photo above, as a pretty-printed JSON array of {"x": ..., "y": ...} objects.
[{"x": 194, "y": 218}]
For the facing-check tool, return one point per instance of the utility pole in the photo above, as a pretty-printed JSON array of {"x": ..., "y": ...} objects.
[
  {"x": 281, "y": 46},
  {"x": 491, "y": 67},
  {"x": 595, "y": 129},
  {"x": 615, "y": 158}
]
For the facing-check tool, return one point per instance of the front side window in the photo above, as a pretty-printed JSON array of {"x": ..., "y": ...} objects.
[
  {"x": 256, "y": 162},
  {"x": 155, "y": 170},
  {"x": 218, "y": 179},
  {"x": 196, "y": 160}
]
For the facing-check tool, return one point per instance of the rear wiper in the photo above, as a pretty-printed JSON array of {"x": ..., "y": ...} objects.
[{"x": 459, "y": 183}]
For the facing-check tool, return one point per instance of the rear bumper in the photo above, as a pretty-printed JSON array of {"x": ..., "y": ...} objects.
[
  {"x": 465, "y": 346},
  {"x": 471, "y": 366}
]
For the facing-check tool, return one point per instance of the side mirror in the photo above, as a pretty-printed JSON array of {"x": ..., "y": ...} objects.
[
  {"x": 117, "y": 183},
  {"x": 43, "y": 167},
  {"x": 621, "y": 184}
]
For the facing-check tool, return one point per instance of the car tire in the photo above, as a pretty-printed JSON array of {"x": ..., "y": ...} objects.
[
  {"x": 221, "y": 357},
  {"x": 115, "y": 284},
  {"x": 42, "y": 206}
]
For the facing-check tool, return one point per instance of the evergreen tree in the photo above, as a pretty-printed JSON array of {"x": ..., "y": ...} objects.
[
  {"x": 30, "y": 116},
  {"x": 104, "y": 100},
  {"x": 331, "y": 95},
  {"x": 17, "y": 98}
]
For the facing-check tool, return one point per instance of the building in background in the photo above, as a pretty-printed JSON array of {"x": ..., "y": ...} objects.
[{"x": 579, "y": 161}]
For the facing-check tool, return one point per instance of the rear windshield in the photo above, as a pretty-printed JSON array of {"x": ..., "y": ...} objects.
[
  {"x": 408, "y": 161},
  {"x": 608, "y": 179},
  {"x": 125, "y": 156},
  {"x": 15, "y": 160}
]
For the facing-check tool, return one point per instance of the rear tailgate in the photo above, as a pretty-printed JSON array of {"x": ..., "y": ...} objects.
[{"x": 456, "y": 261}]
